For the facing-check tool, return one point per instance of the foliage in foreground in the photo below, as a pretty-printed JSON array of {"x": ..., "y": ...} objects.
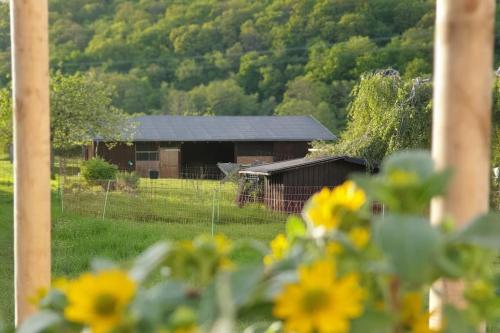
[{"x": 338, "y": 269}]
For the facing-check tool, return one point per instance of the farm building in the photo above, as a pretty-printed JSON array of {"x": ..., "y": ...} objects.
[
  {"x": 287, "y": 185},
  {"x": 176, "y": 146}
]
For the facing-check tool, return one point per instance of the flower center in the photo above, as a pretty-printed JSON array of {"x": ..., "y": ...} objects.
[
  {"x": 314, "y": 300},
  {"x": 105, "y": 304}
]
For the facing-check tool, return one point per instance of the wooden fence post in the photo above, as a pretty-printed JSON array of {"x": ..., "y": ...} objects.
[
  {"x": 30, "y": 84},
  {"x": 463, "y": 73}
]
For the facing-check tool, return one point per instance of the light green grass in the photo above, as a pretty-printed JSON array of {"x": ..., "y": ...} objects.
[{"x": 76, "y": 239}]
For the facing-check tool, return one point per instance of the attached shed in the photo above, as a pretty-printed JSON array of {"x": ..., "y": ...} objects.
[
  {"x": 287, "y": 185},
  {"x": 183, "y": 146}
]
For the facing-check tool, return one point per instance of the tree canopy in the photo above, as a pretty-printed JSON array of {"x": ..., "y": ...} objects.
[
  {"x": 387, "y": 114},
  {"x": 245, "y": 57},
  {"x": 81, "y": 110},
  {"x": 157, "y": 52}
]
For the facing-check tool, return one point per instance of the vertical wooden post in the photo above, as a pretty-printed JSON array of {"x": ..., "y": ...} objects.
[
  {"x": 30, "y": 82},
  {"x": 463, "y": 73}
]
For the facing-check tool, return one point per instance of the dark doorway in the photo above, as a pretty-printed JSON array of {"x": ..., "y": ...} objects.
[{"x": 200, "y": 159}]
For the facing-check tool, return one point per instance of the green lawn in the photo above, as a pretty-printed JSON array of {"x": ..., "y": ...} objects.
[{"x": 76, "y": 239}]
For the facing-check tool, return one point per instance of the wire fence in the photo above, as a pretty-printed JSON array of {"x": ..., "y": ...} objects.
[{"x": 208, "y": 204}]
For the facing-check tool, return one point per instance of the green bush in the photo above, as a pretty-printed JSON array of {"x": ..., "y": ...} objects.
[
  {"x": 127, "y": 181},
  {"x": 98, "y": 169}
]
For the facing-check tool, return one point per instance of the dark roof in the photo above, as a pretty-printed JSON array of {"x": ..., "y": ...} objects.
[
  {"x": 230, "y": 128},
  {"x": 278, "y": 167}
]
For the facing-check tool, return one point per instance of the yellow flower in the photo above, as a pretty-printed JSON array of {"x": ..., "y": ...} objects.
[
  {"x": 222, "y": 243},
  {"x": 334, "y": 248},
  {"x": 413, "y": 316},
  {"x": 38, "y": 296},
  {"x": 189, "y": 329},
  {"x": 319, "y": 302},
  {"x": 359, "y": 237},
  {"x": 402, "y": 178},
  {"x": 60, "y": 284},
  {"x": 328, "y": 207},
  {"x": 99, "y": 300},
  {"x": 279, "y": 248},
  {"x": 223, "y": 246}
]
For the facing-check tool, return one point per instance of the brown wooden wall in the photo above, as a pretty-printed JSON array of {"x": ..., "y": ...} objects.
[
  {"x": 119, "y": 155},
  {"x": 290, "y": 150},
  {"x": 288, "y": 191},
  {"x": 196, "y": 155},
  {"x": 267, "y": 152}
]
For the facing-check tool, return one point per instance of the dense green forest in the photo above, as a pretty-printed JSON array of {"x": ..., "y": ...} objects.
[
  {"x": 241, "y": 57},
  {"x": 235, "y": 56}
]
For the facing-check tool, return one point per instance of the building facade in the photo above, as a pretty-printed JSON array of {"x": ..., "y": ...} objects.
[{"x": 185, "y": 146}]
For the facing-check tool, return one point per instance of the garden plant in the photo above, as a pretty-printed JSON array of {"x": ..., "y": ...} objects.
[{"x": 339, "y": 268}]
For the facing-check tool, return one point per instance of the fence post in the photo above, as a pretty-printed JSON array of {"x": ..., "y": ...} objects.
[
  {"x": 463, "y": 73},
  {"x": 61, "y": 193},
  {"x": 213, "y": 211},
  {"x": 106, "y": 200},
  {"x": 219, "y": 198},
  {"x": 30, "y": 86}
]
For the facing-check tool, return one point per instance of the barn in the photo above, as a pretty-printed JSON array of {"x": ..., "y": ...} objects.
[
  {"x": 191, "y": 146},
  {"x": 287, "y": 185}
]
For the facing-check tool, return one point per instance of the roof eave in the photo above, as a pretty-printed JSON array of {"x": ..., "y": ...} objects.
[{"x": 256, "y": 173}]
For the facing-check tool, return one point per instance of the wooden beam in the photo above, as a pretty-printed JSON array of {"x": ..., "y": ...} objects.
[
  {"x": 30, "y": 83},
  {"x": 463, "y": 74}
]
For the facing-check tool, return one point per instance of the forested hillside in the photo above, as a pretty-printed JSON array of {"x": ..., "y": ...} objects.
[{"x": 235, "y": 56}]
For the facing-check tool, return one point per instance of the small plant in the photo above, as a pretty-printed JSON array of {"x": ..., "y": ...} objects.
[
  {"x": 127, "y": 181},
  {"x": 97, "y": 169},
  {"x": 337, "y": 269}
]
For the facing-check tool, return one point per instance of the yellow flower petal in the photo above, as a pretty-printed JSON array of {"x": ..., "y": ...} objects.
[
  {"x": 327, "y": 208},
  {"x": 98, "y": 300},
  {"x": 359, "y": 237},
  {"x": 319, "y": 301}
]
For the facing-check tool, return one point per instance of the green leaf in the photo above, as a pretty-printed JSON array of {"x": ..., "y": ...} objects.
[
  {"x": 149, "y": 260},
  {"x": 483, "y": 231},
  {"x": 208, "y": 309},
  {"x": 100, "y": 264},
  {"x": 156, "y": 303},
  {"x": 418, "y": 161},
  {"x": 244, "y": 282},
  {"x": 372, "y": 321},
  {"x": 295, "y": 227},
  {"x": 456, "y": 321},
  {"x": 411, "y": 245},
  {"x": 40, "y": 322},
  {"x": 55, "y": 300},
  {"x": 276, "y": 283}
]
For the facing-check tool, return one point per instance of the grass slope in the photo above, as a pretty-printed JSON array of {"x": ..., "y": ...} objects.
[{"x": 77, "y": 239}]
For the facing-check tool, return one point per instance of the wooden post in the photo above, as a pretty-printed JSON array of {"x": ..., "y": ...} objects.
[
  {"x": 30, "y": 83},
  {"x": 463, "y": 74}
]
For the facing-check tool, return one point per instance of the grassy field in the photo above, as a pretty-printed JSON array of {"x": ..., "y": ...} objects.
[
  {"x": 76, "y": 239},
  {"x": 201, "y": 202}
]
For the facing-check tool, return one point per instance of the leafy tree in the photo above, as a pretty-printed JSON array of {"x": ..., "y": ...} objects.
[
  {"x": 81, "y": 109},
  {"x": 343, "y": 61},
  {"x": 386, "y": 114},
  {"x": 306, "y": 96},
  {"x": 5, "y": 117},
  {"x": 132, "y": 93},
  {"x": 261, "y": 45},
  {"x": 216, "y": 98}
]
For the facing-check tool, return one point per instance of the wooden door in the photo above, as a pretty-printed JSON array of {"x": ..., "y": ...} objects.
[{"x": 169, "y": 162}]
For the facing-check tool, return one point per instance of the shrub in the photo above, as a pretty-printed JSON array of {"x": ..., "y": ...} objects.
[
  {"x": 127, "y": 181},
  {"x": 97, "y": 169}
]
